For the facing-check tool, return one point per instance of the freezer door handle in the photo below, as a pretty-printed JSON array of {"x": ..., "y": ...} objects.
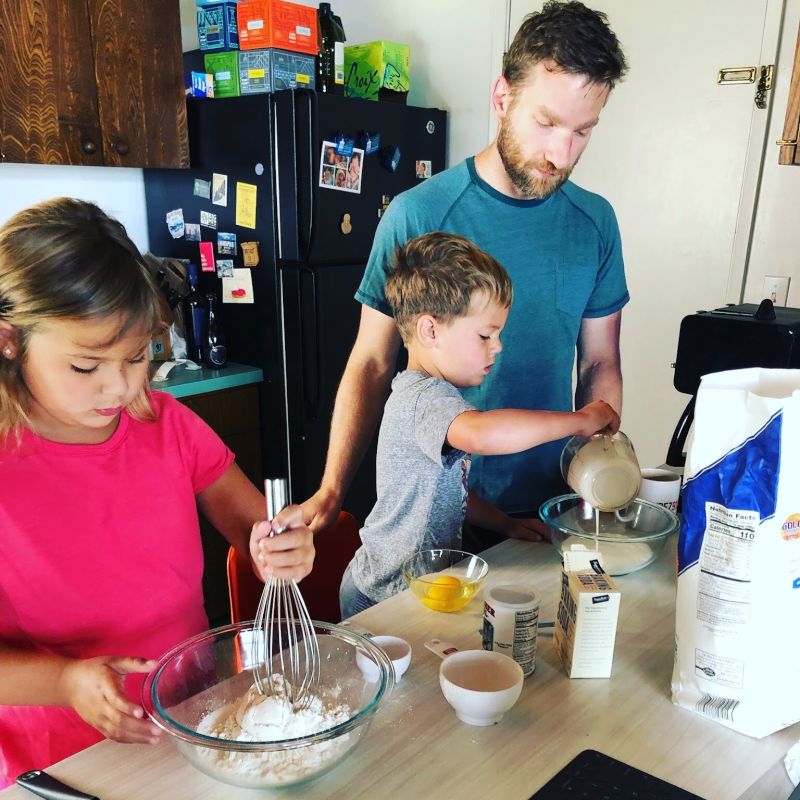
[{"x": 309, "y": 342}]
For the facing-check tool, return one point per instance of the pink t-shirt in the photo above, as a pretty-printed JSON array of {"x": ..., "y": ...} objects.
[{"x": 101, "y": 555}]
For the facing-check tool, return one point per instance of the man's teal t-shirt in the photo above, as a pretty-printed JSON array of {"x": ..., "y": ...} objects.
[{"x": 564, "y": 257}]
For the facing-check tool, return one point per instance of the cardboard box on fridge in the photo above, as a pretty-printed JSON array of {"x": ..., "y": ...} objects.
[
  {"x": 217, "y": 28},
  {"x": 377, "y": 71},
  {"x": 272, "y": 70},
  {"x": 225, "y": 69},
  {"x": 277, "y": 23},
  {"x": 586, "y": 620}
]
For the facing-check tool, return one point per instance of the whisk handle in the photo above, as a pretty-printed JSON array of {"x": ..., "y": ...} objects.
[{"x": 276, "y": 491}]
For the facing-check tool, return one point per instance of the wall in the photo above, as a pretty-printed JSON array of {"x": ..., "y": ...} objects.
[{"x": 118, "y": 191}]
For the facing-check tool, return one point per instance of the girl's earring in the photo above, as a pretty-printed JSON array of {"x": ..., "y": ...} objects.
[{"x": 8, "y": 352}]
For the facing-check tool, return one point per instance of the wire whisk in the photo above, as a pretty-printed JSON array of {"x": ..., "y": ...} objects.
[{"x": 284, "y": 640}]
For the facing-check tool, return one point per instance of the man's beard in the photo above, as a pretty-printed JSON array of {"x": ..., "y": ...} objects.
[{"x": 521, "y": 172}]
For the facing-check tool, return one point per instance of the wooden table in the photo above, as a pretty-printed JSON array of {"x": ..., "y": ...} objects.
[{"x": 418, "y": 748}]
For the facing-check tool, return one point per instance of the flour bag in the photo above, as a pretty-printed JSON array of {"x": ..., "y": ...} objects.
[{"x": 737, "y": 630}]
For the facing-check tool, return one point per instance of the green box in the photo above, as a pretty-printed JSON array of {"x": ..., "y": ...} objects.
[
  {"x": 376, "y": 70},
  {"x": 225, "y": 69}
]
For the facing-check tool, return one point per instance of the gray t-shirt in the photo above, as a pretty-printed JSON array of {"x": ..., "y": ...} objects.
[{"x": 422, "y": 490}]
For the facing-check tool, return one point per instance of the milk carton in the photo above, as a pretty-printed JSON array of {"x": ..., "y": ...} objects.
[{"x": 586, "y": 621}]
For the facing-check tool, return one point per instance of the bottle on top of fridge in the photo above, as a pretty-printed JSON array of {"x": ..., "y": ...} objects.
[
  {"x": 330, "y": 64},
  {"x": 216, "y": 351},
  {"x": 195, "y": 317}
]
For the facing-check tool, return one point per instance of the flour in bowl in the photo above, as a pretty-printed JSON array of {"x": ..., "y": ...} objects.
[{"x": 269, "y": 718}]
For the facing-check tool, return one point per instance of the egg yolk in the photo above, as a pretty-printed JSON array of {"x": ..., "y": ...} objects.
[{"x": 445, "y": 587}]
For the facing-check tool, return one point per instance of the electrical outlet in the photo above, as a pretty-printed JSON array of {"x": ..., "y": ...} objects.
[{"x": 776, "y": 288}]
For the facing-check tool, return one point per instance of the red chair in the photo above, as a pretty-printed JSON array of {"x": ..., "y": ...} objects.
[{"x": 335, "y": 546}]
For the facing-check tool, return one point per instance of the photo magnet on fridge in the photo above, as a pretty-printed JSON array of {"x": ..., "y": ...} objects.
[
  {"x": 239, "y": 288},
  {"x": 219, "y": 189},
  {"x": 202, "y": 188},
  {"x": 226, "y": 244},
  {"x": 192, "y": 232},
  {"x": 224, "y": 267},
  {"x": 175, "y": 223},
  {"x": 340, "y": 172},
  {"x": 208, "y": 220}
]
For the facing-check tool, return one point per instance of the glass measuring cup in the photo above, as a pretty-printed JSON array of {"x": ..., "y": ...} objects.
[{"x": 602, "y": 469}]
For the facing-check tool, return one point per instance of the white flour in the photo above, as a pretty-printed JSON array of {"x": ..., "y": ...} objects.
[{"x": 255, "y": 717}]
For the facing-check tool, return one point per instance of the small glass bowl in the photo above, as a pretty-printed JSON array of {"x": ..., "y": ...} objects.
[{"x": 445, "y": 580}]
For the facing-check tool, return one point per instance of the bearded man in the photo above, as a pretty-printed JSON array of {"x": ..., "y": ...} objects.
[{"x": 559, "y": 243}]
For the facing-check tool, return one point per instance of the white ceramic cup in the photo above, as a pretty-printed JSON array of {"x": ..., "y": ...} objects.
[
  {"x": 480, "y": 685},
  {"x": 661, "y": 486},
  {"x": 398, "y": 650}
]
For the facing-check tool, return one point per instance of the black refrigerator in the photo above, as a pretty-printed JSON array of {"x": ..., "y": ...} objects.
[{"x": 314, "y": 228}]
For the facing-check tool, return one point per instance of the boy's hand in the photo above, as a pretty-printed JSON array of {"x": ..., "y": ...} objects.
[
  {"x": 289, "y": 554},
  {"x": 321, "y": 509},
  {"x": 94, "y": 688},
  {"x": 532, "y": 530},
  {"x": 598, "y": 416}
]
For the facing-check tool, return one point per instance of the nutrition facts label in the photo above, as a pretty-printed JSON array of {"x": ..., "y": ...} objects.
[{"x": 724, "y": 585}]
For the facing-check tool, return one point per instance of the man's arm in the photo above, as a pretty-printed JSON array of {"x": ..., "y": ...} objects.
[
  {"x": 360, "y": 399},
  {"x": 599, "y": 371}
]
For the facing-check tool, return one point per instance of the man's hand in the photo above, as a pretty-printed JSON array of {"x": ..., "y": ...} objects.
[
  {"x": 94, "y": 688},
  {"x": 321, "y": 509}
]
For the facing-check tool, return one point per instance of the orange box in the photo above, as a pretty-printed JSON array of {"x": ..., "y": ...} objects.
[{"x": 277, "y": 23}]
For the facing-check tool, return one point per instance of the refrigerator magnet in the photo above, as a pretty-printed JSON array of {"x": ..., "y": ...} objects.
[
  {"x": 175, "y": 223},
  {"x": 250, "y": 253},
  {"x": 208, "y": 220},
  {"x": 207, "y": 257},
  {"x": 224, "y": 267},
  {"x": 219, "y": 189},
  {"x": 226, "y": 244},
  {"x": 423, "y": 169},
  {"x": 346, "y": 226},
  {"x": 239, "y": 288},
  {"x": 340, "y": 172},
  {"x": 344, "y": 145},
  {"x": 390, "y": 157},
  {"x": 371, "y": 142},
  {"x": 192, "y": 232},
  {"x": 202, "y": 188},
  {"x": 246, "y": 194}
]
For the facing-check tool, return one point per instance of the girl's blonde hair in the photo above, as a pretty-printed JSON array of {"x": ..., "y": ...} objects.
[
  {"x": 438, "y": 274},
  {"x": 66, "y": 259}
]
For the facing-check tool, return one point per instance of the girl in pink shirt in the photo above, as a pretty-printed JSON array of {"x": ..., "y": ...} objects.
[{"x": 100, "y": 480}]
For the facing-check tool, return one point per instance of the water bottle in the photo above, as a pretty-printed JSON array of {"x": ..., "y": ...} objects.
[
  {"x": 216, "y": 351},
  {"x": 330, "y": 64},
  {"x": 195, "y": 316}
]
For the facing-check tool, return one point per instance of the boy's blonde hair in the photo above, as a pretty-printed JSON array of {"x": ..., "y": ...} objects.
[
  {"x": 438, "y": 274},
  {"x": 65, "y": 259}
]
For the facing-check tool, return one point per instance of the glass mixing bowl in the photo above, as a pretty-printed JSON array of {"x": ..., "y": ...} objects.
[
  {"x": 629, "y": 538},
  {"x": 444, "y": 580},
  {"x": 195, "y": 691}
]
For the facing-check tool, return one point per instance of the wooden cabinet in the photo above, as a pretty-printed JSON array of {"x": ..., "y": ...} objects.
[
  {"x": 233, "y": 414},
  {"x": 92, "y": 82},
  {"x": 790, "y": 152}
]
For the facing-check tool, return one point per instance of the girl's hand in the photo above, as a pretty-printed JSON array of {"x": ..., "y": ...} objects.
[
  {"x": 94, "y": 688},
  {"x": 289, "y": 554}
]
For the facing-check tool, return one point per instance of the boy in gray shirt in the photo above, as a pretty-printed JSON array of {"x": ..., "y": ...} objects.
[{"x": 450, "y": 301}]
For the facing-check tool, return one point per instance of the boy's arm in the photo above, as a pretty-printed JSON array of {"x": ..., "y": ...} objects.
[
  {"x": 485, "y": 515},
  {"x": 511, "y": 430}
]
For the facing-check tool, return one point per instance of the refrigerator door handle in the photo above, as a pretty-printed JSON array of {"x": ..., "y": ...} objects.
[
  {"x": 313, "y": 190},
  {"x": 309, "y": 343}
]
